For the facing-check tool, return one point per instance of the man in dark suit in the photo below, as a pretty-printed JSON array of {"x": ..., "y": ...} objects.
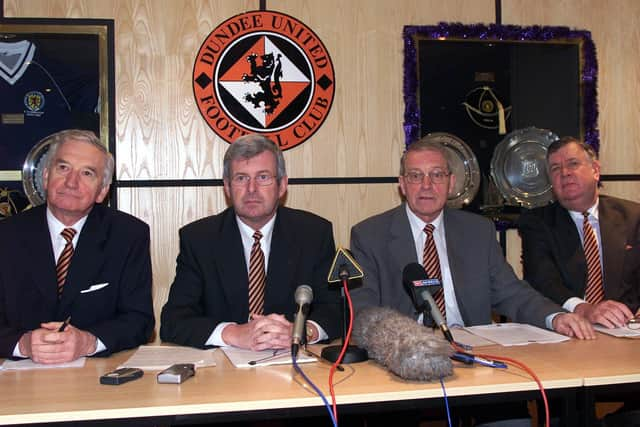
[
  {"x": 98, "y": 274},
  {"x": 475, "y": 276},
  {"x": 552, "y": 240},
  {"x": 220, "y": 296}
]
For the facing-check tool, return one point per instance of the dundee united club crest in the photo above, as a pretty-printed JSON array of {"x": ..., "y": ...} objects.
[{"x": 264, "y": 72}]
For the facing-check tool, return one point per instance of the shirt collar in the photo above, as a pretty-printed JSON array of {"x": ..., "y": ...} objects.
[
  {"x": 56, "y": 227},
  {"x": 266, "y": 230},
  {"x": 593, "y": 212}
]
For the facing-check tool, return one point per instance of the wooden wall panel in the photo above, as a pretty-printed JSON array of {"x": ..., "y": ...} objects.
[{"x": 614, "y": 26}]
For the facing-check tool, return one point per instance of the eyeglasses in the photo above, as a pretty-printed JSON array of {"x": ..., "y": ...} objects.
[
  {"x": 242, "y": 180},
  {"x": 570, "y": 165},
  {"x": 435, "y": 176}
]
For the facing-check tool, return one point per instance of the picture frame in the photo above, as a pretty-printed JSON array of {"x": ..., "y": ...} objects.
[{"x": 55, "y": 74}]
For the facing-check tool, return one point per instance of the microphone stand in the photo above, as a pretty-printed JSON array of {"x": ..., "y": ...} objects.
[{"x": 352, "y": 353}]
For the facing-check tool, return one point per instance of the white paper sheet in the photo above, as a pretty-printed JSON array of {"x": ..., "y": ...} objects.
[
  {"x": 508, "y": 334},
  {"x": 27, "y": 364},
  {"x": 462, "y": 336},
  {"x": 623, "y": 332},
  {"x": 247, "y": 359},
  {"x": 159, "y": 357}
]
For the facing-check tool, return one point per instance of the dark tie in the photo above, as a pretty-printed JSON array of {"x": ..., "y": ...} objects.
[
  {"x": 62, "y": 267},
  {"x": 594, "y": 292},
  {"x": 257, "y": 276},
  {"x": 431, "y": 265}
]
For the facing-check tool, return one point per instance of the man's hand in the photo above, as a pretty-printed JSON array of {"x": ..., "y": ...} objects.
[
  {"x": 573, "y": 325},
  {"x": 608, "y": 313},
  {"x": 47, "y": 345},
  {"x": 262, "y": 332}
]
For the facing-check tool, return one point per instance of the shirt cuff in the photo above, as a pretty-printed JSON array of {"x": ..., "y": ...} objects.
[
  {"x": 16, "y": 351},
  {"x": 216, "y": 336},
  {"x": 548, "y": 321},
  {"x": 322, "y": 335},
  {"x": 99, "y": 347},
  {"x": 572, "y": 303}
]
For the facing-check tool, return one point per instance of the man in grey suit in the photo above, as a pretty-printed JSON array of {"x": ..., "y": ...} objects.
[{"x": 475, "y": 276}]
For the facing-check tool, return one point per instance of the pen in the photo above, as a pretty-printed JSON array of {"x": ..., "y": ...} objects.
[
  {"x": 470, "y": 359},
  {"x": 64, "y": 324}
]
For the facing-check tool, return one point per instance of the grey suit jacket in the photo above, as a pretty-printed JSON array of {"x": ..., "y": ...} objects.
[
  {"x": 482, "y": 278},
  {"x": 553, "y": 255}
]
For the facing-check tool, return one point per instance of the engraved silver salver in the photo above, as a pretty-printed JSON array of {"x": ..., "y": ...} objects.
[
  {"x": 518, "y": 167},
  {"x": 32, "y": 180}
]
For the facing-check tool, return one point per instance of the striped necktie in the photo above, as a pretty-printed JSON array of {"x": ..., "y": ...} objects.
[
  {"x": 594, "y": 292},
  {"x": 62, "y": 267},
  {"x": 431, "y": 265},
  {"x": 257, "y": 277}
]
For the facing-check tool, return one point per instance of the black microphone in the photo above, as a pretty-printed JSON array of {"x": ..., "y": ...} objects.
[
  {"x": 398, "y": 342},
  {"x": 418, "y": 284},
  {"x": 303, "y": 297}
]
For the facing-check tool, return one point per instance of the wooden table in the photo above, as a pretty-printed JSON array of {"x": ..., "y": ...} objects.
[{"x": 226, "y": 393}]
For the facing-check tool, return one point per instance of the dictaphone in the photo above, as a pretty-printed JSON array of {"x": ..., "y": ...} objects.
[
  {"x": 176, "y": 374},
  {"x": 121, "y": 376}
]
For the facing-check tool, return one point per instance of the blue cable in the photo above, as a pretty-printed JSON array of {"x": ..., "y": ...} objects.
[
  {"x": 446, "y": 401},
  {"x": 317, "y": 390}
]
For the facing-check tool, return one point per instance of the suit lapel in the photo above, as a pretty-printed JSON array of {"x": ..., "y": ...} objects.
[
  {"x": 283, "y": 256},
  {"x": 402, "y": 246},
  {"x": 613, "y": 237},
  {"x": 460, "y": 283},
  {"x": 232, "y": 266},
  {"x": 37, "y": 240},
  {"x": 567, "y": 237},
  {"x": 88, "y": 256}
]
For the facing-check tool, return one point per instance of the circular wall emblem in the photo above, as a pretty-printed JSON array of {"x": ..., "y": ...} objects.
[{"x": 264, "y": 72}]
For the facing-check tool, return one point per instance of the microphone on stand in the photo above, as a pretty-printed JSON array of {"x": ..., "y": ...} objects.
[
  {"x": 343, "y": 269},
  {"x": 420, "y": 287},
  {"x": 303, "y": 297}
]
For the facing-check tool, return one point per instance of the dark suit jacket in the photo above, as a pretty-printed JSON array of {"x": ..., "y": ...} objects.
[
  {"x": 482, "y": 278},
  {"x": 112, "y": 248},
  {"x": 211, "y": 283},
  {"x": 553, "y": 256}
]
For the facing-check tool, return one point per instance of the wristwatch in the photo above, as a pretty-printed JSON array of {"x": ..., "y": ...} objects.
[{"x": 309, "y": 333}]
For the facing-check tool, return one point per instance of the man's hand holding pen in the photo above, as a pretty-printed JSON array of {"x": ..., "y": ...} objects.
[{"x": 57, "y": 342}]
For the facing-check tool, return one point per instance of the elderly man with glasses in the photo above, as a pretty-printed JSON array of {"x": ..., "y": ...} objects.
[{"x": 237, "y": 271}]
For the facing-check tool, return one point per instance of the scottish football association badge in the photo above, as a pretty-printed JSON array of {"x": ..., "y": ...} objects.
[{"x": 264, "y": 72}]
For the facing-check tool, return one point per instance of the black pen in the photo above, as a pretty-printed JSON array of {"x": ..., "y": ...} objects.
[{"x": 64, "y": 324}]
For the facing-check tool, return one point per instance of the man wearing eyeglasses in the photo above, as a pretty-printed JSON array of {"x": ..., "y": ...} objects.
[
  {"x": 583, "y": 251},
  {"x": 458, "y": 248},
  {"x": 237, "y": 271}
]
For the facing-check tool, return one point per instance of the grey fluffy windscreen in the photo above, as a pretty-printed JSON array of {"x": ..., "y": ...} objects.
[{"x": 398, "y": 342}]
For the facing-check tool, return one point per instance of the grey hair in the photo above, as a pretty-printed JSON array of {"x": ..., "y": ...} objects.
[
  {"x": 60, "y": 138},
  {"x": 248, "y": 146},
  {"x": 426, "y": 143},
  {"x": 566, "y": 140}
]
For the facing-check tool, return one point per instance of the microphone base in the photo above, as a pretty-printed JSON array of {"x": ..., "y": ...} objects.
[{"x": 353, "y": 354}]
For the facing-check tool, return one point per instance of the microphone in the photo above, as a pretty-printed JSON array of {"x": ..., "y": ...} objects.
[
  {"x": 399, "y": 343},
  {"x": 418, "y": 284},
  {"x": 303, "y": 297}
]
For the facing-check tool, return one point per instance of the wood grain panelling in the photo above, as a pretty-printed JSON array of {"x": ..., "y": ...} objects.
[{"x": 615, "y": 28}]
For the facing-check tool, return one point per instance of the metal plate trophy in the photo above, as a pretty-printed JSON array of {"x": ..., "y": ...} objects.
[
  {"x": 518, "y": 170},
  {"x": 32, "y": 180},
  {"x": 464, "y": 165}
]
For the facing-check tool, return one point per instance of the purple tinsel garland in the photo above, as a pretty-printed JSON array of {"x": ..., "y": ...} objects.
[{"x": 500, "y": 32}]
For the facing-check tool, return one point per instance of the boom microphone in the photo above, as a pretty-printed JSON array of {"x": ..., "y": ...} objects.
[
  {"x": 303, "y": 297},
  {"x": 398, "y": 342},
  {"x": 418, "y": 284}
]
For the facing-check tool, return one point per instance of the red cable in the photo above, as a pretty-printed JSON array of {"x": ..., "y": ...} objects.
[
  {"x": 345, "y": 344},
  {"x": 523, "y": 367}
]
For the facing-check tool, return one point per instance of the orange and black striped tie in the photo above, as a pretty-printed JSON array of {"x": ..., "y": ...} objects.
[
  {"x": 257, "y": 276},
  {"x": 62, "y": 267},
  {"x": 431, "y": 265},
  {"x": 594, "y": 292}
]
